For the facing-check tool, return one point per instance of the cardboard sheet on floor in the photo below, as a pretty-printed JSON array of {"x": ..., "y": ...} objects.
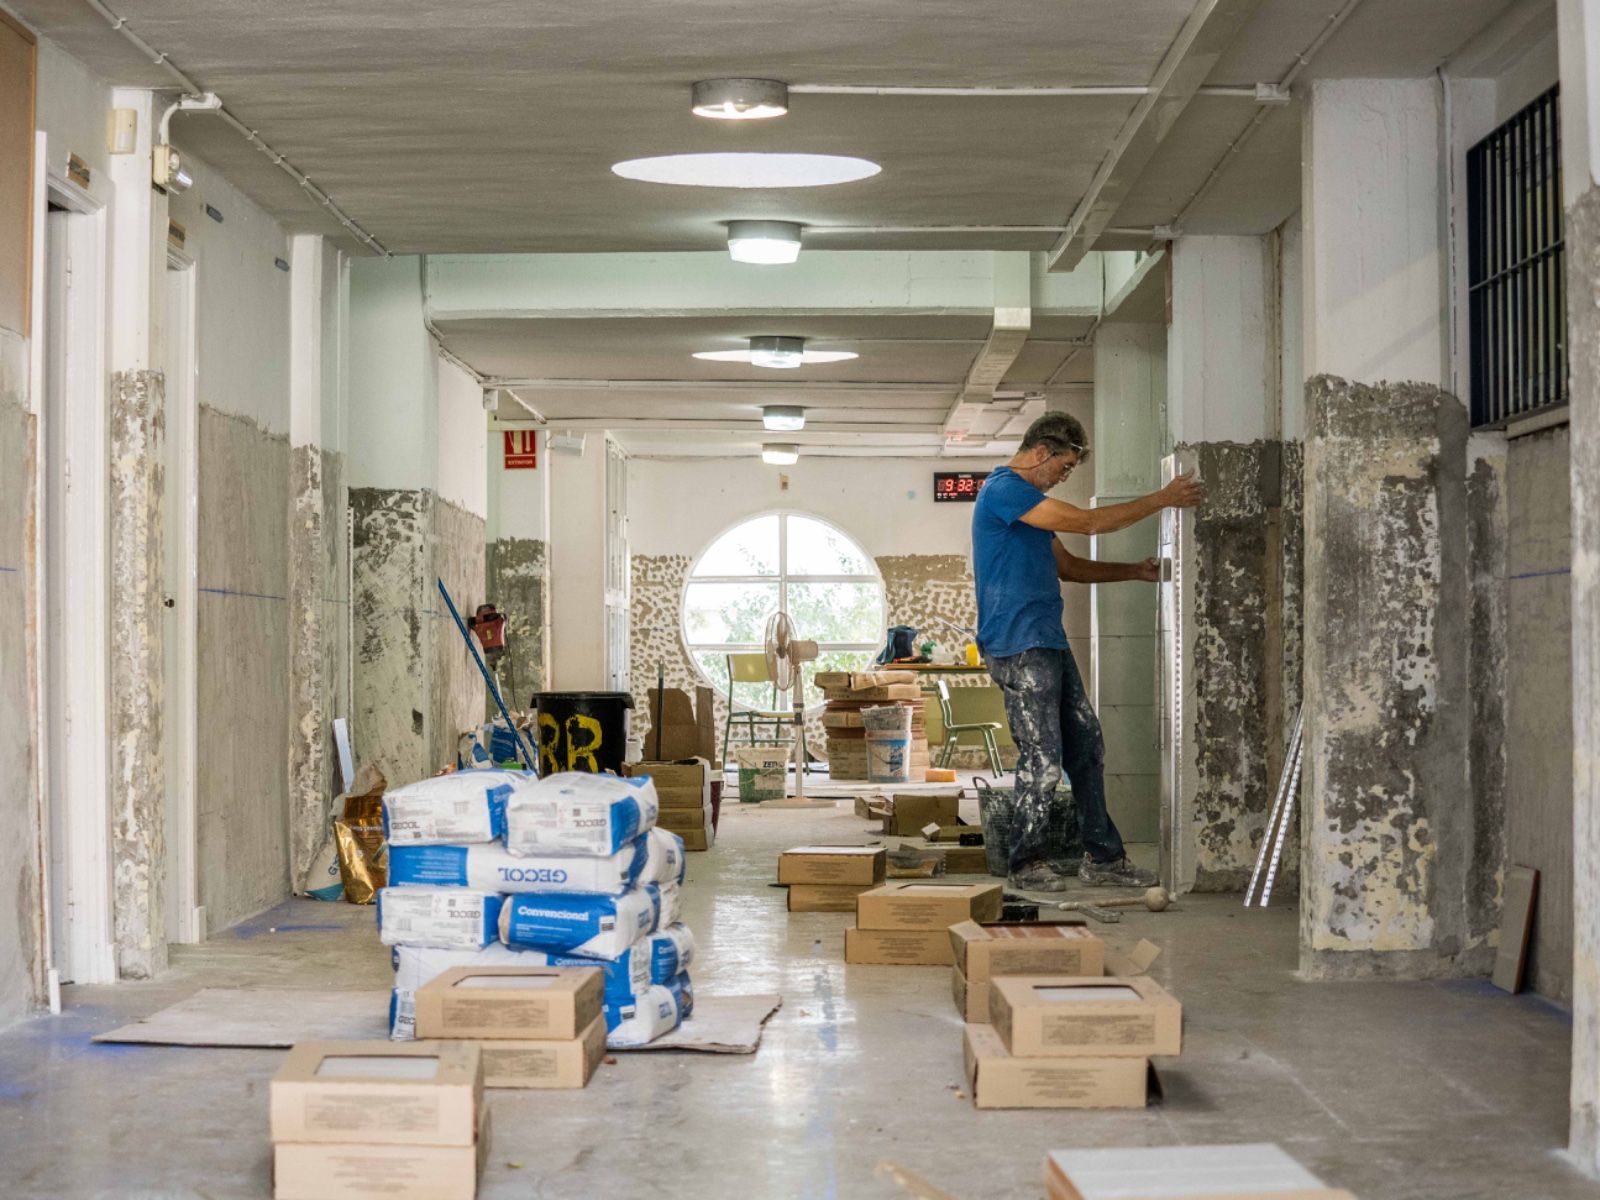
[{"x": 277, "y": 1018}]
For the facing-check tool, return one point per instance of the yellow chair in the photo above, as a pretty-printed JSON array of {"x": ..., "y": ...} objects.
[
  {"x": 750, "y": 669},
  {"x": 953, "y": 732}
]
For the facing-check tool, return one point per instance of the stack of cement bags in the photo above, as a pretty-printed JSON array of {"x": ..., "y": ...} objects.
[{"x": 497, "y": 867}]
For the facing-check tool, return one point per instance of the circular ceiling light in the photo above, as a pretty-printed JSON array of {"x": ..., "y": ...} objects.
[
  {"x": 747, "y": 169},
  {"x": 783, "y": 353},
  {"x": 783, "y": 418},
  {"x": 763, "y": 242},
  {"x": 780, "y": 454},
  {"x": 740, "y": 99}
]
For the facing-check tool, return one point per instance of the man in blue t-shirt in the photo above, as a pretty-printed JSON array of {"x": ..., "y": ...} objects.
[{"x": 1019, "y": 563}]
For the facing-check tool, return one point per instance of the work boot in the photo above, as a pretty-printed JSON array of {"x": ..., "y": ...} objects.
[
  {"x": 1118, "y": 873},
  {"x": 1037, "y": 878}
]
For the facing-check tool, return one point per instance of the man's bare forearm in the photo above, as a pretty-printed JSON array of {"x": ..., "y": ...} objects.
[
  {"x": 1116, "y": 517},
  {"x": 1088, "y": 570}
]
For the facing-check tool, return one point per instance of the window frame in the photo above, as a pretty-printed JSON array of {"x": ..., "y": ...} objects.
[{"x": 783, "y": 579}]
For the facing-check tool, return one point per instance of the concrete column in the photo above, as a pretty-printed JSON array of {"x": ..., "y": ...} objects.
[
  {"x": 1399, "y": 867},
  {"x": 1580, "y": 102},
  {"x": 1130, "y": 398},
  {"x": 578, "y": 564},
  {"x": 518, "y": 558}
]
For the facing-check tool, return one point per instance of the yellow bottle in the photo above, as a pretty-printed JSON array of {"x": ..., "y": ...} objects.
[{"x": 972, "y": 655}]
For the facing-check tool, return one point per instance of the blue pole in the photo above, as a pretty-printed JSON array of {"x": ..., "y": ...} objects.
[{"x": 528, "y": 755}]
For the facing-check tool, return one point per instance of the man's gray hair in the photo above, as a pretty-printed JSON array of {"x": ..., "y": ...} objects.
[{"x": 1059, "y": 431}]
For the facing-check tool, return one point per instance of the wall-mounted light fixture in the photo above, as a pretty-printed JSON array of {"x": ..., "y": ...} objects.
[
  {"x": 765, "y": 242},
  {"x": 740, "y": 99},
  {"x": 783, "y": 418}
]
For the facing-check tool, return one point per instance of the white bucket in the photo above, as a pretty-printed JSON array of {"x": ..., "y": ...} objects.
[{"x": 888, "y": 756}]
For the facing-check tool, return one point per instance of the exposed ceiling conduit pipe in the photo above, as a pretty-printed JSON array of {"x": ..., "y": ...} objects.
[
  {"x": 119, "y": 25},
  {"x": 1335, "y": 22},
  {"x": 851, "y": 89}
]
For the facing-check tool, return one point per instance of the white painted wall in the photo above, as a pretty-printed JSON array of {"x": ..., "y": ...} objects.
[
  {"x": 519, "y": 500},
  {"x": 1579, "y": 22},
  {"x": 1291, "y": 330},
  {"x": 1375, "y": 266},
  {"x": 462, "y": 440},
  {"x": 1221, "y": 353},
  {"x": 70, "y": 108},
  {"x": 577, "y": 558},
  {"x": 393, "y": 377}
]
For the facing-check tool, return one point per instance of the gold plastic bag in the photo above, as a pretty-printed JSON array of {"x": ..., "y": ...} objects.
[{"x": 358, "y": 838}]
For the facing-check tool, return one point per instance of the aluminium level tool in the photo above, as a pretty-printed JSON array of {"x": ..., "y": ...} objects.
[
  {"x": 1271, "y": 853},
  {"x": 523, "y": 748}
]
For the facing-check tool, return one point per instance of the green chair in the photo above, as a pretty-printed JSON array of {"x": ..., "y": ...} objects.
[
  {"x": 953, "y": 732},
  {"x": 752, "y": 668}
]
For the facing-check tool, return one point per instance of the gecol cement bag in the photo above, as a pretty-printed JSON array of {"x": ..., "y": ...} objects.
[
  {"x": 666, "y": 861},
  {"x": 671, "y": 952},
  {"x": 651, "y": 1015},
  {"x": 447, "y": 918},
  {"x": 669, "y": 904},
  {"x": 627, "y": 975},
  {"x": 461, "y": 808},
  {"x": 683, "y": 990},
  {"x": 588, "y": 926},
  {"x": 578, "y": 813},
  {"x": 492, "y": 868}
]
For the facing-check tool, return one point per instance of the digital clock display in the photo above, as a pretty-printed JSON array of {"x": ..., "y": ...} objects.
[{"x": 957, "y": 487}]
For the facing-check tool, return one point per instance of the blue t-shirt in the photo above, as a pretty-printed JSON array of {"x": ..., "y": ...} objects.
[{"x": 1019, "y": 594}]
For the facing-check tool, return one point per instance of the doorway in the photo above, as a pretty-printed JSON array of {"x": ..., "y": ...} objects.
[{"x": 74, "y": 511}]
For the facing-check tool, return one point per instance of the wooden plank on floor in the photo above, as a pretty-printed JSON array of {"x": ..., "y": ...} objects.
[{"x": 1516, "y": 922}]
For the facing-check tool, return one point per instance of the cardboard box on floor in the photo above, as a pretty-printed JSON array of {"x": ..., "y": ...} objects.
[
  {"x": 1050, "y": 1016},
  {"x": 378, "y": 1093},
  {"x": 897, "y": 947},
  {"x": 516, "y": 1002},
  {"x": 687, "y": 730},
  {"x": 545, "y": 1064},
  {"x": 909, "y": 815},
  {"x": 928, "y": 906},
  {"x": 334, "y": 1171},
  {"x": 832, "y": 865},
  {"x": 825, "y": 897},
  {"x": 972, "y": 997},
  {"x": 983, "y": 951},
  {"x": 999, "y": 1079},
  {"x": 683, "y": 821},
  {"x": 1254, "y": 1171},
  {"x": 679, "y": 785}
]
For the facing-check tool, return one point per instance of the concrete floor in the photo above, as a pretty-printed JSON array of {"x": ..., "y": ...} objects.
[{"x": 1394, "y": 1091}]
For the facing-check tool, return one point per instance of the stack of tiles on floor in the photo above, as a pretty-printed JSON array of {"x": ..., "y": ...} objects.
[
  {"x": 351, "y": 1120},
  {"x": 684, "y": 792},
  {"x": 1255, "y": 1171},
  {"x": 907, "y": 924},
  {"x": 536, "y": 1027},
  {"x": 569, "y": 870},
  {"x": 1061, "y": 1041},
  {"x": 984, "y": 953},
  {"x": 847, "y": 693},
  {"x": 830, "y": 878}
]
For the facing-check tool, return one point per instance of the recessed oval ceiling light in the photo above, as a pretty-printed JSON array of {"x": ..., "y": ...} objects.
[
  {"x": 747, "y": 169},
  {"x": 740, "y": 99},
  {"x": 769, "y": 352}
]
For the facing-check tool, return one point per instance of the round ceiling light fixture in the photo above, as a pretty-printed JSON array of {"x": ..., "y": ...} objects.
[
  {"x": 763, "y": 242},
  {"x": 783, "y": 418},
  {"x": 740, "y": 99},
  {"x": 783, "y": 353},
  {"x": 780, "y": 454},
  {"x": 747, "y": 169}
]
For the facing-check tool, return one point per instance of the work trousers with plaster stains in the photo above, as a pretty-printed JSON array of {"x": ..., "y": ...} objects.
[{"x": 1054, "y": 727}]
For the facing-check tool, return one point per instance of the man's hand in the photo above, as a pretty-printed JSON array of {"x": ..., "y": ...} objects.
[
  {"x": 1149, "y": 570},
  {"x": 1185, "y": 491}
]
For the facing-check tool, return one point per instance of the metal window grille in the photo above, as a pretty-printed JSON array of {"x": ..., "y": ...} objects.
[{"x": 1517, "y": 290}]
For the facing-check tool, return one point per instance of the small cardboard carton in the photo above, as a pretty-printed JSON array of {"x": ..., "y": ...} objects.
[
  {"x": 1025, "y": 948},
  {"x": 893, "y": 691},
  {"x": 965, "y": 860},
  {"x": 825, "y": 897},
  {"x": 683, "y": 821},
  {"x": 934, "y": 906},
  {"x": 999, "y": 1079},
  {"x": 972, "y": 999},
  {"x": 379, "y": 1093},
  {"x": 898, "y": 947},
  {"x": 911, "y": 814},
  {"x": 698, "y": 839},
  {"x": 518, "y": 1003},
  {"x": 1253, "y": 1171},
  {"x": 832, "y": 865},
  {"x": 1050, "y": 1016},
  {"x": 335, "y": 1171},
  {"x": 542, "y": 1064},
  {"x": 681, "y": 728},
  {"x": 685, "y": 784}
]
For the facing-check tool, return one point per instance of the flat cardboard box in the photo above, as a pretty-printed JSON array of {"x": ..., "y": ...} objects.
[
  {"x": 682, "y": 821},
  {"x": 912, "y": 814},
  {"x": 972, "y": 999},
  {"x": 1058, "y": 1016},
  {"x": 863, "y": 679},
  {"x": 701, "y": 839},
  {"x": 692, "y": 772},
  {"x": 897, "y": 947},
  {"x": 688, "y": 729},
  {"x": 517, "y": 1003},
  {"x": 1025, "y": 948},
  {"x": 378, "y": 1093},
  {"x": 965, "y": 860},
  {"x": 832, "y": 865},
  {"x": 894, "y": 691},
  {"x": 825, "y": 897},
  {"x": 544, "y": 1064},
  {"x": 927, "y": 905},
  {"x": 334, "y": 1171},
  {"x": 1254, "y": 1171},
  {"x": 999, "y": 1079}
]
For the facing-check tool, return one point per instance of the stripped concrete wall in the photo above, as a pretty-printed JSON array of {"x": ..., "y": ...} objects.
[
  {"x": 456, "y": 691},
  {"x": 21, "y": 899},
  {"x": 244, "y": 695},
  {"x": 517, "y": 581}
]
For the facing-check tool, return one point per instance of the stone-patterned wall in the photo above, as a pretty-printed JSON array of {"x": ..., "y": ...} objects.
[{"x": 518, "y": 584}]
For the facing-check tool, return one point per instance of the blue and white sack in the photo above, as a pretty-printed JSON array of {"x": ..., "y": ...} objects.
[
  {"x": 417, "y": 965},
  {"x": 578, "y": 813},
  {"x": 653, "y": 1014},
  {"x": 683, "y": 990},
  {"x": 669, "y": 904},
  {"x": 493, "y": 868},
  {"x": 626, "y": 976},
  {"x": 585, "y": 925},
  {"x": 445, "y": 918},
  {"x": 671, "y": 953},
  {"x": 666, "y": 861},
  {"x": 461, "y": 808}
]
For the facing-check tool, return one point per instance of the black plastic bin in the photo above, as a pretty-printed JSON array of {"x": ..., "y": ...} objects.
[{"x": 582, "y": 731}]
